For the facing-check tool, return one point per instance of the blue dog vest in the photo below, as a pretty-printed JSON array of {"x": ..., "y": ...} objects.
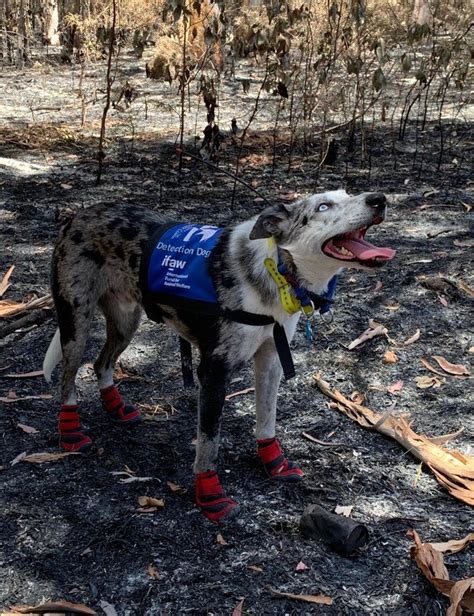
[
  {"x": 177, "y": 266},
  {"x": 175, "y": 271}
]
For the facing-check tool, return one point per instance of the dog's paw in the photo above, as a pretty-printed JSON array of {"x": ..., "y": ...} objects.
[
  {"x": 117, "y": 410},
  {"x": 71, "y": 434},
  {"x": 211, "y": 498},
  {"x": 76, "y": 442},
  {"x": 276, "y": 465}
]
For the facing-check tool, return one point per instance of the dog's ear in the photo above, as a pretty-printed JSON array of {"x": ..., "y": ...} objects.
[{"x": 270, "y": 222}]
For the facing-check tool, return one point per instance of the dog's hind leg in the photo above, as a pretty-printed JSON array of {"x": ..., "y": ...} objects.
[
  {"x": 210, "y": 496},
  {"x": 268, "y": 373},
  {"x": 74, "y": 320},
  {"x": 122, "y": 319}
]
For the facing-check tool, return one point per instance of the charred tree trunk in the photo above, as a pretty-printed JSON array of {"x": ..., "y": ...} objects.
[
  {"x": 23, "y": 51},
  {"x": 3, "y": 18},
  {"x": 51, "y": 23}
]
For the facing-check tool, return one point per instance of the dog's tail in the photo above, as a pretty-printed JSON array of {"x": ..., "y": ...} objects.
[{"x": 53, "y": 356}]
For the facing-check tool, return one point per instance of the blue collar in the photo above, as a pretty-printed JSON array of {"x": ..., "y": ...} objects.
[{"x": 322, "y": 303}]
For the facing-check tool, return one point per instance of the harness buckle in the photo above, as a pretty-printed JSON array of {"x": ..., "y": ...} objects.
[{"x": 327, "y": 317}]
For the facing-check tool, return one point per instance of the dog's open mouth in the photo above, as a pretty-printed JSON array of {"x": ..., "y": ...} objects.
[{"x": 354, "y": 247}]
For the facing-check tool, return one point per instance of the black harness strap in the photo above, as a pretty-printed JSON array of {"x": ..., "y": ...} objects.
[{"x": 283, "y": 350}]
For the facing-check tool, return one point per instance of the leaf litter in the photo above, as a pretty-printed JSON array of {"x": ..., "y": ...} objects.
[
  {"x": 453, "y": 469},
  {"x": 52, "y": 606},
  {"x": 454, "y": 369},
  {"x": 320, "y": 599},
  {"x": 429, "y": 558}
]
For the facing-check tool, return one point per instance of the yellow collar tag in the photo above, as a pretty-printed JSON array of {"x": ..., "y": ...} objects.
[{"x": 289, "y": 302}]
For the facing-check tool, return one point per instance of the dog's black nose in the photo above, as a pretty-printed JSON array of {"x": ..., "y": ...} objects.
[{"x": 376, "y": 200}]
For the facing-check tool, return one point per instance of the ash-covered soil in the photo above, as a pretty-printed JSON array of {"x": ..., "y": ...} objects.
[{"x": 69, "y": 529}]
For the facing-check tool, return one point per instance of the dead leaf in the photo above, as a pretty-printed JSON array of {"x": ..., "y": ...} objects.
[
  {"x": 146, "y": 509},
  {"x": 301, "y": 566},
  {"x": 413, "y": 338},
  {"x": 453, "y": 469},
  {"x": 425, "y": 382},
  {"x": 320, "y": 599},
  {"x": 443, "y": 301},
  {"x": 456, "y": 369},
  {"x": 454, "y": 545},
  {"x": 55, "y": 606},
  {"x": 466, "y": 206},
  {"x": 120, "y": 374},
  {"x": 65, "y": 186},
  {"x": 390, "y": 357},
  {"x": 153, "y": 572},
  {"x": 378, "y": 285},
  {"x": 445, "y": 438},
  {"x": 369, "y": 333},
  {"x": 469, "y": 243},
  {"x": 345, "y": 510},
  {"x": 18, "y": 458},
  {"x": 174, "y": 487},
  {"x": 41, "y": 458},
  {"x": 239, "y": 393},
  {"x": 392, "y": 307},
  {"x": 255, "y": 568},
  {"x": 150, "y": 501},
  {"x": 357, "y": 396},
  {"x": 27, "y": 429},
  {"x": 311, "y": 438},
  {"x": 23, "y": 375},
  {"x": 220, "y": 539},
  {"x": 431, "y": 563},
  {"x": 431, "y": 368},
  {"x": 9, "y": 399},
  {"x": 464, "y": 287},
  {"x": 237, "y": 611},
  {"x": 4, "y": 284},
  {"x": 397, "y": 386},
  {"x": 462, "y": 594},
  {"x": 109, "y": 609}
]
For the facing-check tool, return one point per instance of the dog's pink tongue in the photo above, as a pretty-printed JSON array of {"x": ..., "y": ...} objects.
[{"x": 364, "y": 250}]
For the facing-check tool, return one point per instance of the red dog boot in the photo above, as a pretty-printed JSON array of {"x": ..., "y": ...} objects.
[
  {"x": 119, "y": 412},
  {"x": 71, "y": 435},
  {"x": 211, "y": 499},
  {"x": 275, "y": 463}
]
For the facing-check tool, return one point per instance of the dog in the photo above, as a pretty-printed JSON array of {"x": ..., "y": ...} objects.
[{"x": 97, "y": 262}]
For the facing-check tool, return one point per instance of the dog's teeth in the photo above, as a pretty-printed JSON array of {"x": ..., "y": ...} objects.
[{"x": 343, "y": 251}]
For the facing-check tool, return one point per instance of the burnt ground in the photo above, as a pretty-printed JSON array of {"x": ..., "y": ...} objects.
[{"x": 69, "y": 529}]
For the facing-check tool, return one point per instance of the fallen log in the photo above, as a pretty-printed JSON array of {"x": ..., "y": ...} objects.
[{"x": 32, "y": 318}]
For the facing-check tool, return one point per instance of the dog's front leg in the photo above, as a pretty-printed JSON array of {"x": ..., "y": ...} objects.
[
  {"x": 213, "y": 376},
  {"x": 267, "y": 380}
]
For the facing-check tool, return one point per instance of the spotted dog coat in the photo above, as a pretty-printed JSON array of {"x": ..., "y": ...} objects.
[{"x": 96, "y": 262}]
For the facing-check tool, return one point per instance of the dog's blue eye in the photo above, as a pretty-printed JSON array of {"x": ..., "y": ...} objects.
[{"x": 323, "y": 207}]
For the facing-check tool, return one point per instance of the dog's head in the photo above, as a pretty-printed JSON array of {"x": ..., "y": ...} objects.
[{"x": 327, "y": 230}]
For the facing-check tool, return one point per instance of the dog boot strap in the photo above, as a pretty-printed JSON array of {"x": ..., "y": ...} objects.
[
  {"x": 211, "y": 498},
  {"x": 275, "y": 463},
  {"x": 71, "y": 435},
  {"x": 119, "y": 411}
]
